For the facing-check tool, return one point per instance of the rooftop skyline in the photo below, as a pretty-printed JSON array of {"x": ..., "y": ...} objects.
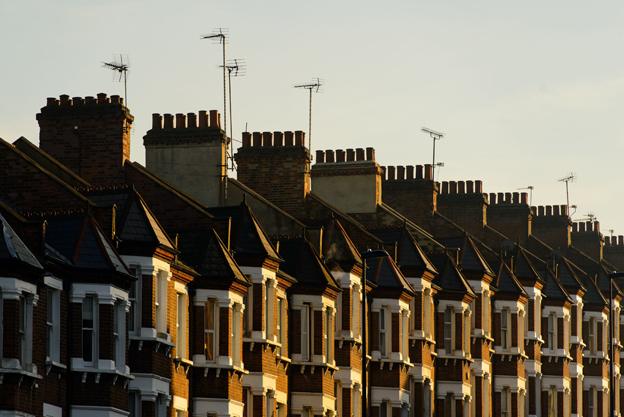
[{"x": 525, "y": 93}]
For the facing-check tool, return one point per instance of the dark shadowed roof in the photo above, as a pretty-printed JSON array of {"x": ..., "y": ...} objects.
[
  {"x": 338, "y": 248},
  {"x": 471, "y": 258},
  {"x": 218, "y": 263},
  {"x": 410, "y": 255},
  {"x": 525, "y": 266},
  {"x": 302, "y": 262},
  {"x": 80, "y": 240},
  {"x": 507, "y": 283},
  {"x": 13, "y": 249},
  {"x": 553, "y": 290},
  {"x": 384, "y": 272},
  {"x": 450, "y": 279}
]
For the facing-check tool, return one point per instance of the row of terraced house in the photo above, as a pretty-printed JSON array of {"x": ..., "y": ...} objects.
[{"x": 333, "y": 287}]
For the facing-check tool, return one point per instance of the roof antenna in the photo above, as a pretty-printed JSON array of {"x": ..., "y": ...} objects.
[
  {"x": 122, "y": 68},
  {"x": 530, "y": 188},
  {"x": 313, "y": 86},
  {"x": 220, "y": 36},
  {"x": 568, "y": 179},
  {"x": 235, "y": 68},
  {"x": 435, "y": 136}
]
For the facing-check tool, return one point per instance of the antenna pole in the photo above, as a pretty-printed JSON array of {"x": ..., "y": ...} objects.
[
  {"x": 224, "y": 90},
  {"x": 231, "y": 136},
  {"x": 310, "y": 122},
  {"x": 435, "y": 136},
  {"x": 433, "y": 163},
  {"x": 125, "y": 87}
]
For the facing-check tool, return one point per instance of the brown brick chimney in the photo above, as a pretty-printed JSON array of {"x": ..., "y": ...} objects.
[
  {"x": 464, "y": 203},
  {"x": 552, "y": 225},
  {"x": 90, "y": 136},
  {"x": 411, "y": 190},
  {"x": 276, "y": 165},
  {"x": 510, "y": 214},
  {"x": 586, "y": 237},
  {"x": 349, "y": 179}
]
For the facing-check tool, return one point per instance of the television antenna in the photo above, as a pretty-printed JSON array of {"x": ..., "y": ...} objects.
[
  {"x": 122, "y": 68},
  {"x": 439, "y": 165},
  {"x": 235, "y": 68},
  {"x": 530, "y": 188},
  {"x": 568, "y": 179},
  {"x": 435, "y": 136},
  {"x": 220, "y": 36},
  {"x": 313, "y": 86}
]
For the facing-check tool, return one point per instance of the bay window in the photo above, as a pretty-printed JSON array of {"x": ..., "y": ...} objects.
[
  {"x": 356, "y": 314},
  {"x": 119, "y": 335},
  {"x": 25, "y": 322},
  {"x": 160, "y": 297},
  {"x": 552, "y": 331},
  {"x": 89, "y": 330},
  {"x": 210, "y": 330},
  {"x": 449, "y": 329},
  {"x": 329, "y": 336},
  {"x": 236, "y": 334},
  {"x": 505, "y": 333},
  {"x": 591, "y": 335},
  {"x": 134, "y": 298},
  {"x": 269, "y": 301},
  {"x": 427, "y": 313},
  {"x": 506, "y": 402}
]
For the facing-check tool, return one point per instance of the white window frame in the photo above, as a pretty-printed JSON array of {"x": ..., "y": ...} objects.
[
  {"x": 383, "y": 332},
  {"x": 592, "y": 402},
  {"x": 25, "y": 329},
  {"x": 467, "y": 328},
  {"x": 211, "y": 304},
  {"x": 384, "y": 408},
  {"x": 119, "y": 335},
  {"x": 506, "y": 402},
  {"x": 356, "y": 313},
  {"x": 505, "y": 329},
  {"x": 248, "y": 313},
  {"x": 236, "y": 336},
  {"x": 427, "y": 313},
  {"x": 592, "y": 335},
  {"x": 405, "y": 335},
  {"x": 269, "y": 309},
  {"x": 552, "y": 402},
  {"x": 134, "y": 405},
  {"x": 306, "y": 331},
  {"x": 181, "y": 324},
  {"x": 160, "y": 301},
  {"x": 53, "y": 325},
  {"x": 327, "y": 333},
  {"x": 537, "y": 316},
  {"x": 449, "y": 330},
  {"x": 278, "y": 330},
  {"x": 94, "y": 329},
  {"x": 552, "y": 331},
  {"x": 134, "y": 319}
]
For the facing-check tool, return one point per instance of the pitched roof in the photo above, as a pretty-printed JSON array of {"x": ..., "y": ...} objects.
[
  {"x": 411, "y": 258},
  {"x": 13, "y": 249},
  {"x": 382, "y": 271},
  {"x": 338, "y": 248},
  {"x": 79, "y": 239},
  {"x": 302, "y": 262},
  {"x": 524, "y": 266},
  {"x": 507, "y": 283},
  {"x": 218, "y": 264},
  {"x": 248, "y": 238},
  {"x": 471, "y": 258},
  {"x": 450, "y": 278},
  {"x": 553, "y": 290},
  {"x": 569, "y": 276}
]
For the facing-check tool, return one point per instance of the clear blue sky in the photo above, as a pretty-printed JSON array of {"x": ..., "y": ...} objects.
[{"x": 525, "y": 91}]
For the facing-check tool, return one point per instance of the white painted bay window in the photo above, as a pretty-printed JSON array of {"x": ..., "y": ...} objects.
[
  {"x": 427, "y": 325},
  {"x": 210, "y": 330},
  {"x": 592, "y": 335},
  {"x": 25, "y": 325},
  {"x": 505, "y": 402},
  {"x": 449, "y": 330},
  {"x": 90, "y": 330},
  {"x": 134, "y": 298},
  {"x": 552, "y": 331},
  {"x": 505, "y": 341},
  {"x": 383, "y": 333},
  {"x": 119, "y": 335},
  {"x": 269, "y": 303},
  {"x": 160, "y": 297},
  {"x": 237, "y": 316},
  {"x": 356, "y": 312}
]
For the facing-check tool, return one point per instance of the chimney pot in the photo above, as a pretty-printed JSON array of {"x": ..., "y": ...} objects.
[
  {"x": 620, "y": 240},
  {"x": 115, "y": 99},
  {"x": 574, "y": 227},
  {"x": 428, "y": 172},
  {"x": 564, "y": 210},
  {"x": 419, "y": 172},
  {"x": 549, "y": 210},
  {"x": 400, "y": 172},
  {"x": 214, "y": 119},
  {"x": 289, "y": 137},
  {"x": 452, "y": 187},
  {"x": 65, "y": 100},
  {"x": 278, "y": 139},
  {"x": 101, "y": 98},
  {"x": 191, "y": 120},
  {"x": 581, "y": 226},
  {"x": 78, "y": 101},
  {"x": 555, "y": 210},
  {"x": 540, "y": 210},
  {"x": 501, "y": 198},
  {"x": 168, "y": 121},
  {"x": 409, "y": 172},
  {"x": 445, "y": 187},
  {"x": 246, "y": 139},
  {"x": 256, "y": 139},
  {"x": 492, "y": 198},
  {"x": 52, "y": 101},
  {"x": 516, "y": 198},
  {"x": 350, "y": 155},
  {"x": 588, "y": 226},
  {"x": 508, "y": 199},
  {"x": 89, "y": 100},
  {"x": 340, "y": 155},
  {"x": 470, "y": 187},
  {"x": 180, "y": 121},
  {"x": 299, "y": 138},
  {"x": 359, "y": 154},
  {"x": 370, "y": 154},
  {"x": 203, "y": 119},
  {"x": 391, "y": 173},
  {"x": 524, "y": 198},
  {"x": 329, "y": 156},
  {"x": 156, "y": 121},
  {"x": 267, "y": 139},
  {"x": 478, "y": 186},
  {"x": 461, "y": 187},
  {"x": 320, "y": 156}
]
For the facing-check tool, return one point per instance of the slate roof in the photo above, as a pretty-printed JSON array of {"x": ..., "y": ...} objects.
[
  {"x": 302, "y": 262},
  {"x": 410, "y": 255},
  {"x": 569, "y": 276},
  {"x": 13, "y": 249},
  {"x": 450, "y": 279},
  {"x": 80, "y": 240},
  {"x": 338, "y": 248},
  {"x": 525, "y": 266},
  {"x": 382, "y": 271},
  {"x": 218, "y": 263},
  {"x": 471, "y": 258},
  {"x": 507, "y": 283},
  {"x": 553, "y": 290}
]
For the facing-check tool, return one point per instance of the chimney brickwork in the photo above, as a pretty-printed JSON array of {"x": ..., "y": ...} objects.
[
  {"x": 189, "y": 151},
  {"x": 350, "y": 179},
  {"x": 510, "y": 214},
  {"x": 91, "y": 136},
  {"x": 464, "y": 203},
  {"x": 277, "y": 166},
  {"x": 411, "y": 190},
  {"x": 586, "y": 237},
  {"x": 614, "y": 250},
  {"x": 552, "y": 225}
]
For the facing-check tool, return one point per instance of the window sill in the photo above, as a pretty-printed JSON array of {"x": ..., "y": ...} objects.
[
  {"x": 50, "y": 364},
  {"x": 19, "y": 371},
  {"x": 315, "y": 364},
  {"x": 103, "y": 371}
]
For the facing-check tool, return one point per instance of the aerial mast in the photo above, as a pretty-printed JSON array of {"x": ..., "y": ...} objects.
[
  {"x": 568, "y": 179},
  {"x": 436, "y": 136},
  {"x": 220, "y": 35},
  {"x": 235, "y": 68},
  {"x": 122, "y": 68},
  {"x": 313, "y": 86}
]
